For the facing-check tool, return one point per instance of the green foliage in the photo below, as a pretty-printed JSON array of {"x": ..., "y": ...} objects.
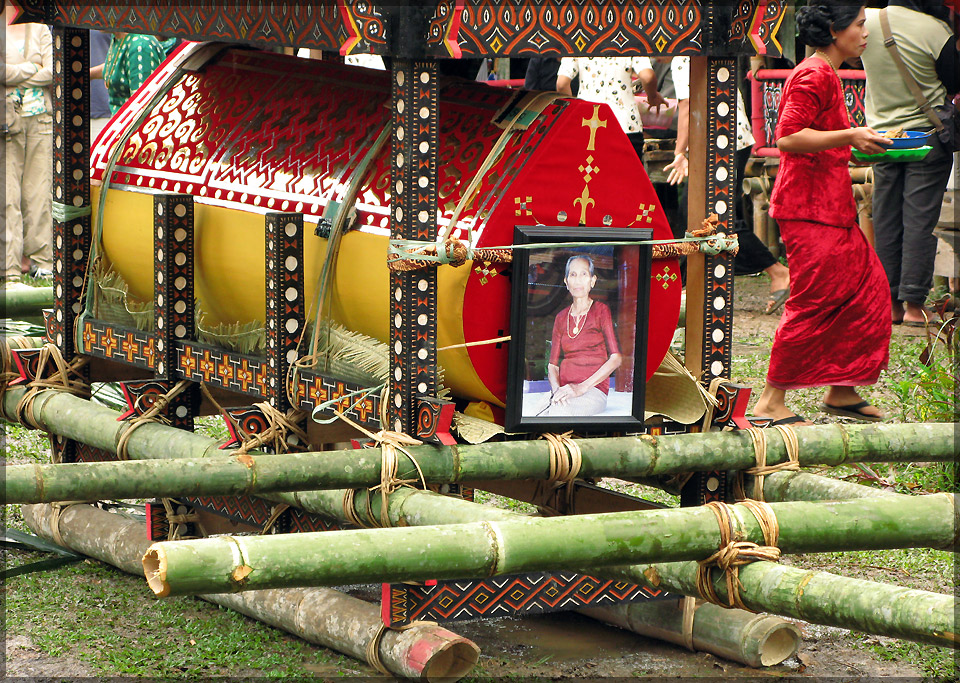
[{"x": 173, "y": 638}]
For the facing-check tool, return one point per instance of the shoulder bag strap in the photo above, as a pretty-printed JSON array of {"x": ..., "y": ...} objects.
[{"x": 891, "y": 45}]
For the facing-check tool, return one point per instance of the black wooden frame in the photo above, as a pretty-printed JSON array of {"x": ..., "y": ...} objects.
[{"x": 515, "y": 420}]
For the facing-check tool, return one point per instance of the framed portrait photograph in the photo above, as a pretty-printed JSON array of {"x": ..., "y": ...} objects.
[{"x": 578, "y": 327}]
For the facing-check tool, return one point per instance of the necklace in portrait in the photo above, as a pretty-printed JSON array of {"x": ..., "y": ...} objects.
[{"x": 578, "y": 321}]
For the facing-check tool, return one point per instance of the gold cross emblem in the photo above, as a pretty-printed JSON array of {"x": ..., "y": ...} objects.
[{"x": 594, "y": 123}]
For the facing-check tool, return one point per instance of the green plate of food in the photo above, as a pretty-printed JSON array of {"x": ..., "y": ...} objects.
[{"x": 908, "y": 154}]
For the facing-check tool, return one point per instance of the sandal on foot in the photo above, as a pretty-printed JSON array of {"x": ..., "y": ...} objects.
[
  {"x": 855, "y": 411},
  {"x": 793, "y": 419},
  {"x": 777, "y": 300}
]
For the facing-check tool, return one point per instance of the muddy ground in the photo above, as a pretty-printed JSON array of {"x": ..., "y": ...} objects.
[{"x": 568, "y": 645}]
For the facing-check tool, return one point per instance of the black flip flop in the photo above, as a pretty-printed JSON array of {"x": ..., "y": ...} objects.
[
  {"x": 793, "y": 419},
  {"x": 854, "y": 411}
]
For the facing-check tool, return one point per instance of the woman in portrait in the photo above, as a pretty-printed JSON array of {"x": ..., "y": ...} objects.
[{"x": 584, "y": 350}]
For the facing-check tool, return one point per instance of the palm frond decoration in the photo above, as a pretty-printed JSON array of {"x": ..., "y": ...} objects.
[{"x": 247, "y": 338}]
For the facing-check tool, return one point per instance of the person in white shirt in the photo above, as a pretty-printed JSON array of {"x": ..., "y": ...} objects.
[
  {"x": 753, "y": 256},
  {"x": 609, "y": 80}
]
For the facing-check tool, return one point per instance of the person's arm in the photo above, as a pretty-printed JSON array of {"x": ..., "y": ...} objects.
[
  {"x": 648, "y": 80},
  {"x": 18, "y": 74},
  {"x": 802, "y": 102},
  {"x": 568, "y": 70},
  {"x": 96, "y": 72},
  {"x": 948, "y": 68},
  {"x": 44, "y": 75},
  {"x": 553, "y": 374},
  {"x": 808, "y": 140},
  {"x": 680, "y": 166}
]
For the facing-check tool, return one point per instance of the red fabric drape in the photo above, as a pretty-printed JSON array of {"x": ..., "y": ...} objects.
[{"x": 836, "y": 325}]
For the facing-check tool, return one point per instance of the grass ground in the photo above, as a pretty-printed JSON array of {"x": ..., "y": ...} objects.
[{"x": 91, "y": 620}]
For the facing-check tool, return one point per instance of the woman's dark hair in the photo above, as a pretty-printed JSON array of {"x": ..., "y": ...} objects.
[{"x": 815, "y": 21}]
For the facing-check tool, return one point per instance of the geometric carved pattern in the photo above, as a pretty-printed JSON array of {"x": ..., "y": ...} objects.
[
  {"x": 731, "y": 407},
  {"x": 413, "y": 315},
  {"x": 572, "y": 27},
  {"x": 505, "y": 596},
  {"x": 121, "y": 344},
  {"x": 257, "y": 512},
  {"x": 765, "y": 28},
  {"x": 314, "y": 389},
  {"x": 434, "y": 419},
  {"x": 222, "y": 368},
  {"x": 319, "y": 25},
  {"x": 244, "y": 509},
  {"x": 71, "y": 179},
  {"x": 285, "y": 299}
]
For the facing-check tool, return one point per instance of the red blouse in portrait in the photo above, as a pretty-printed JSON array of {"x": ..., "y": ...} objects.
[
  {"x": 585, "y": 351},
  {"x": 813, "y": 187}
]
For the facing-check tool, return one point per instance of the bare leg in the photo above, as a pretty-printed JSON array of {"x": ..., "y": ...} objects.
[
  {"x": 779, "y": 276},
  {"x": 772, "y": 404},
  {"x": 848, "y": 396},
  {"x": 909, "y": 312}
]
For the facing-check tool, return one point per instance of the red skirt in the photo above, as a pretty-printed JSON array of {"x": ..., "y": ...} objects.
[{"x": 836, "y": 325}]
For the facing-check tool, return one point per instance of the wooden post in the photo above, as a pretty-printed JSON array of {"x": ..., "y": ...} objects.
[
  {"x": 285, "y": 300},
  {"x": 713, "y": 137},
  {"x": 413, "y": 315},
  {"x": 173, "y": 296}
]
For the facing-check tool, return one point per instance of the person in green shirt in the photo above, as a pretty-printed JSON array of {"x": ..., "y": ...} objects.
[{"x": 130, "y": 61}]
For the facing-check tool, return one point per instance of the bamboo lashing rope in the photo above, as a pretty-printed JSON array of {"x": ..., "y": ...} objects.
[
  {"x": 372, "y": 651},
  {"x": 275, "y": 513},
  {"x": 408, "y": 255},
  {"x": 759, "y": 472},
  {"x": 152, "y": 414},
  {"x": 66, "y": 378},
  {"x": 279, "y": 427},
  {"x": 391, "y": 445},
  {"x": 454, "y": 252},
  {"x": 733, "y": 552},
  {"x": 176, "y": 521},
  {"x": 565, "y": 458},
  {"x": 58, "y": 508}
]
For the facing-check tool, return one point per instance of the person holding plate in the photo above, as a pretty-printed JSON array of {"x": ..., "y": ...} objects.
[
  {"x": 835, "y": 329},
  {"x": 584, "y": 350},
  {"x": 907, "y": 195}
]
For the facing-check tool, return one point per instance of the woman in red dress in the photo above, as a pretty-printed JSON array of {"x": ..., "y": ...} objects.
[
  {"x": 835, "y": 329},
  {"x": 583, "y": 335}
]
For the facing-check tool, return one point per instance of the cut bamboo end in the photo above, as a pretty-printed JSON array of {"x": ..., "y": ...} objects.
[
  {"x": 155, "y": 569},
  {"x": 452, "y": 661},
  {"x": 776, "y": 639}
]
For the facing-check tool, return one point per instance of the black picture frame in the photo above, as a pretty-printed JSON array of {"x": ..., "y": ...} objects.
[{"x": 621, "y": 285}]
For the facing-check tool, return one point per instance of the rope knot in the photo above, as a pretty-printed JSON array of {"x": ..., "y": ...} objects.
[
  {"x": 454, "y": 252},
  {"x": 734, "y": 553}
]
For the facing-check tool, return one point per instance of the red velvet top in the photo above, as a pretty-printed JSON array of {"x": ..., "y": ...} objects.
[
  {"x": 813, "y": 187},
  {"x": 586, "y": 351}
]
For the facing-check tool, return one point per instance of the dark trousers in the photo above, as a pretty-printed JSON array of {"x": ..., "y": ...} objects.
[
  {"x": 753, "y": 256},
  {"x": 906, "y": 208}
]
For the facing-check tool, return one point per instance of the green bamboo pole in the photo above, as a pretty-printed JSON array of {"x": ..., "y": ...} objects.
[
  {"x": 820, "y": 598},
  {"x": 410, "y": 507},
  {"x": 202, "y": 469},
  {"x": 451, "y": 551},
  {"x": 25, "y": 301},
  {"x": 786, "y": 486},
  {"x": 323, "y": 616}
]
